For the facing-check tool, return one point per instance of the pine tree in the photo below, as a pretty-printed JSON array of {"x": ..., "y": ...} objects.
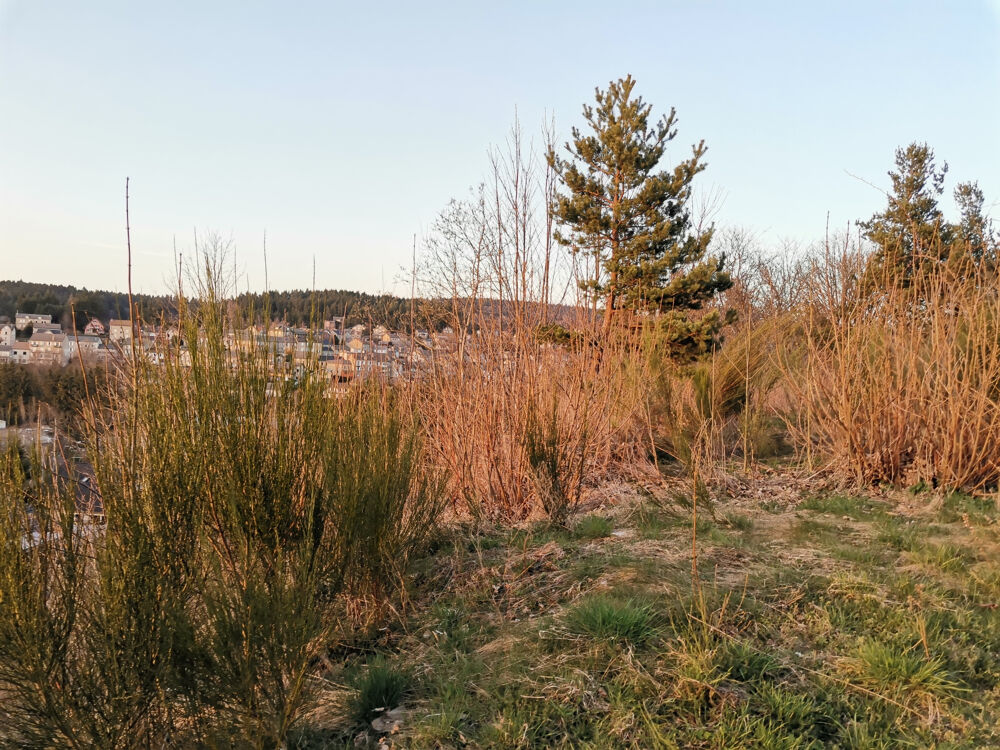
[
  {"x": 911, "y": 232},
  {"x": 912, "y": 236},
  {"x": 973, "y": 238},
  {"x": 635, "y": 220}
]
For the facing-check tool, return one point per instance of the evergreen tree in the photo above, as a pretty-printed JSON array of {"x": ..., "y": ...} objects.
[
  {"x": 634, "y": 219},
  {"x": 911, "y": 235},
  {"x": 911, "y": 232},
  {"x": 973, "y": 238}
]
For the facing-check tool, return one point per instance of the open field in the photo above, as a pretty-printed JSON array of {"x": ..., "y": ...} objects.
[{"x": 818, "y": 619}]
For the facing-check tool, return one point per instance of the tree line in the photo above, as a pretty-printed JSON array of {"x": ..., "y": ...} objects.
[
  {"x": 58, "y": 393},
  {"x": 297, "y": 307}
]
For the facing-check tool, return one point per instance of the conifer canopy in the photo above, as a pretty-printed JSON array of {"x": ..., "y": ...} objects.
[{"x": 633, "y": 220}]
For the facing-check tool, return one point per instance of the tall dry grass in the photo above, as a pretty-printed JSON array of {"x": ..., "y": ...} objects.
[
  {"x": 520, "y": 426},
  {"x": 899, "y": 383},
  {"x": 522, "y": 403}
]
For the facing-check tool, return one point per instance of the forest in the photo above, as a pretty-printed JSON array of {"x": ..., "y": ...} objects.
[{"x": 295, "y": 307}]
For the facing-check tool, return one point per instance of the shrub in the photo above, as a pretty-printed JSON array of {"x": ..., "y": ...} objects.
[
  {"x": 900, "y": 384},
  {"x": 242, "y": 504}
]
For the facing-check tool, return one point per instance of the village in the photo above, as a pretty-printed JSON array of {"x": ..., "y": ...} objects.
[{"x": 342, "y": 353}]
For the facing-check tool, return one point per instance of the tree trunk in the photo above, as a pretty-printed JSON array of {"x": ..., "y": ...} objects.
[{"x": 609, "y": 304}]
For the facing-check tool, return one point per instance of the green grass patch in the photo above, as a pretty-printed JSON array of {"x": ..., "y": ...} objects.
[
  {"x": 612, "y": 619},
  {"x": 814, "y": 532},
  {"x": 957, "y": 506},
  {"x": 379, "y": 688},
  {"x": 856, "y": 508},
  {"x": 947, "y": 557},
  {"x": 898, "y": 534},
  {"x": 904, "y": 675},
  {"x": 747, "y": 663},
  {"x": 738, "y": 521},
  {"x": 593, "y": 526}
]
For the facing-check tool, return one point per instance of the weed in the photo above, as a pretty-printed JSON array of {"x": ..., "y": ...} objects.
[
  {"x": 380, "y": 687},
  {"x": 607, "y": 618},
  {"x": 592, "y": 527},
  {"x": 904, "y": 675}
]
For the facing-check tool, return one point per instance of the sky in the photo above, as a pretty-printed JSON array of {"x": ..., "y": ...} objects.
[{"x": 343, "y": 129}]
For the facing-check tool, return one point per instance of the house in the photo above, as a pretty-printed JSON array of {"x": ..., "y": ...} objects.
[
  {"x": 47, "y": 328},
  {"x": 4, "y": 354},
  {"x": 20, "y": 353},
  {"x": 23, "y": 320},
  {"x": 277, "y": 331},
  {"x": 47, "y": 348},
  {"x": 338, "y": 368},
  {"x": 95, "y": 328},
  {"x": 335, "y": 325},
  {"x": 86, "y": 347},
  {"x": 8, "y": 334},
  {"x": 120, "y": 331}
]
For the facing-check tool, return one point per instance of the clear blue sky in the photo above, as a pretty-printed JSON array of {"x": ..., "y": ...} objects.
[{"x": 344, "y": 128}]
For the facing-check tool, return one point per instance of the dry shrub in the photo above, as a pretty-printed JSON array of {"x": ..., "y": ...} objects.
[
  {"x": 518, "y": 426},
  {"x": 723, "y": 406},
  {"x": 521, "y": 401},
  {"x": 900, "y": 384}
]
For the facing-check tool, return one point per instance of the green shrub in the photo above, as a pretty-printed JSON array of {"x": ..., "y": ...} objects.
[{"x": 241, "y": 501}]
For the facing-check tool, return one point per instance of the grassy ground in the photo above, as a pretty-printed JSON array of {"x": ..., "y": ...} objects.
[{"x": 815, "y": 620}]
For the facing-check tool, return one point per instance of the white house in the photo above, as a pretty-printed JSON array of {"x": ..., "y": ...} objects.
[
  {"x": 20, "y": 353},
  {"x": 48, "y": 348},
  {"x": 120, "y": 330},
  {"x": 88, "y": 347},
  {"x": 23, "y": 320},
  {"x": 7, "y": 334}
]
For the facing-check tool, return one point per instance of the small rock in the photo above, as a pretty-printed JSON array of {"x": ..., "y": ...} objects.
[{"x": 390, "y": 722}]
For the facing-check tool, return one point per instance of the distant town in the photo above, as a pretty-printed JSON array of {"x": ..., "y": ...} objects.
[{"x": 343, "y": 353}]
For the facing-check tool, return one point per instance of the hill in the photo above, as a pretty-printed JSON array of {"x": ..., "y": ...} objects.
[{"x": 298, "y": 307}]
